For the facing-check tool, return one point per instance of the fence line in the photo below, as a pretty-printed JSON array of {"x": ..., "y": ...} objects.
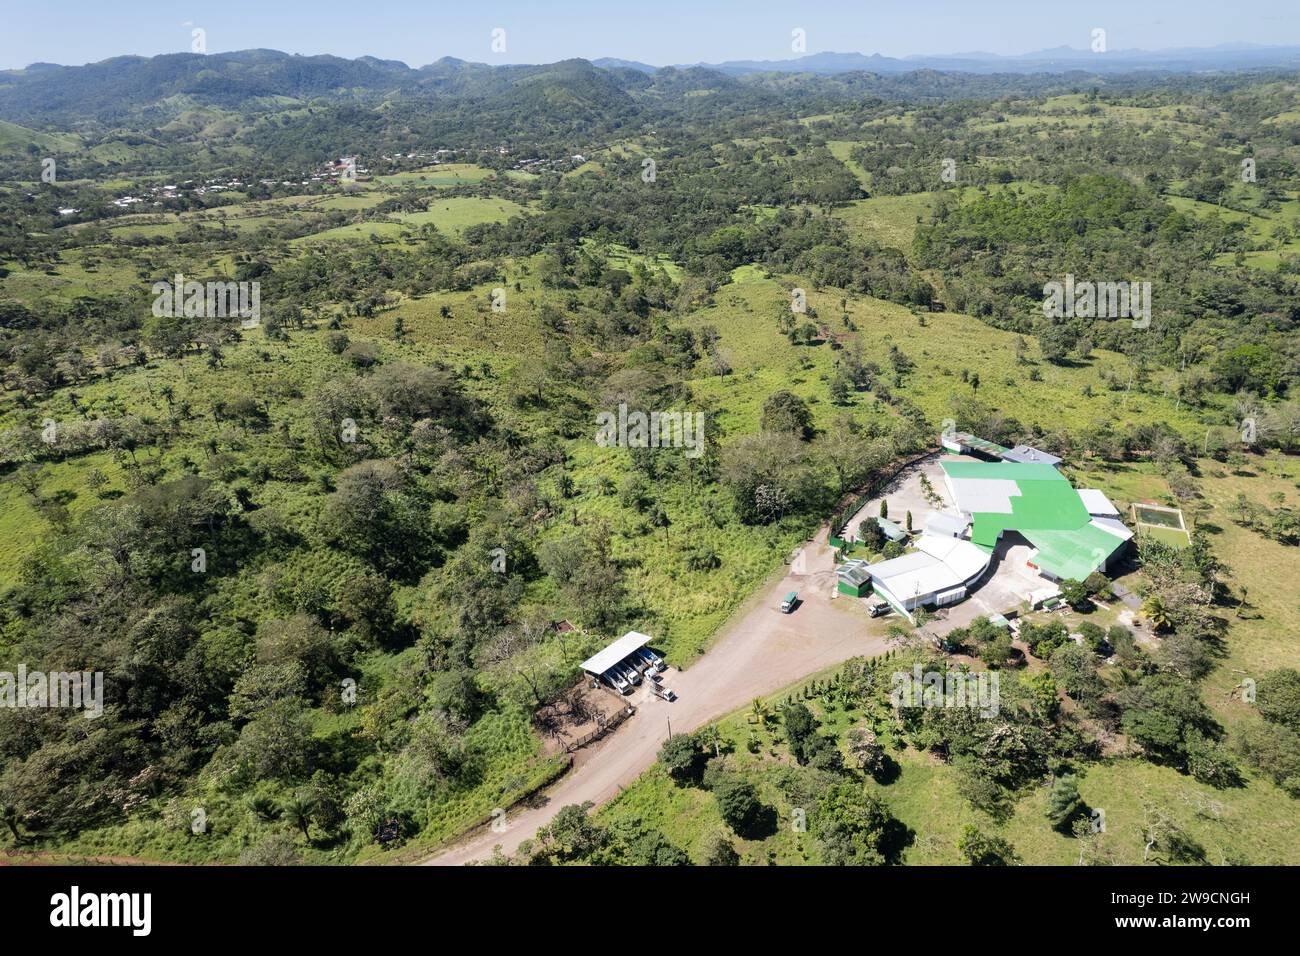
[{"x": 603, "y": 729}]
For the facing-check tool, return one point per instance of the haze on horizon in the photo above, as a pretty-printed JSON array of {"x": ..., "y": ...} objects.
[{"x": 662, "y": 32}]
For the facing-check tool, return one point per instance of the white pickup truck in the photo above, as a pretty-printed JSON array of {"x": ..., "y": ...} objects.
[{"x": 666, "y": 693}]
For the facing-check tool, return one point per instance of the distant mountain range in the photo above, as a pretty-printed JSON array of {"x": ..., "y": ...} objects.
[
  {"x": 1228, "y": 56},
  {"x": 146, "y": 92}
]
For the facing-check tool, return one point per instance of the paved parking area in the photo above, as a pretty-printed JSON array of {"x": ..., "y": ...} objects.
[
  {"x": 1006, "y": 587},
  {"x": 905, "y": 494}
]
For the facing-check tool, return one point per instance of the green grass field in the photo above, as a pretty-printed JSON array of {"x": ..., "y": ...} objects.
[
  {"x": 764, "y": 361},
  {"x": 451, "y": 216},
  {"x": 444, "y": 175}
]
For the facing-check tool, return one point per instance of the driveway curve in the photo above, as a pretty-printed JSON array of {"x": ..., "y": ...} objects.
[{"x": 759, "y": 651}]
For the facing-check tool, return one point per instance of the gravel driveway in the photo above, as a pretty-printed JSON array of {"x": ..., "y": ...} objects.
[{"x": 760, "y": 651}]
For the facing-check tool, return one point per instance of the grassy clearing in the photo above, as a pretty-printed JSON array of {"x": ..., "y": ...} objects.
[
  {"x": 457, "y": 213},
  {"x": 15, "y": 139},
  {"x": 764, "y": 361},
  {"x": 843, "y": 151},
  {"x": 888, "y": 220},
  {"x": 446, "y": 174},
  {"x": 452, "y": 215},
  {"x": 892, "y": 220}
]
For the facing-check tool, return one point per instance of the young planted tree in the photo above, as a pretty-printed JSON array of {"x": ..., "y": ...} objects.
[
  {"x": 1064, "y": 804},
  {"x": 866, "y": 750}
]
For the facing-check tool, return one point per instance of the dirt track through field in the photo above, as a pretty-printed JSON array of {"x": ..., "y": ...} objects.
[{"x": 760, "y": 651}]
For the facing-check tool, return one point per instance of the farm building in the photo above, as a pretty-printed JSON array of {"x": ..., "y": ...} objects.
[
  {"x": 938, "y": 572},
  {"x": 962, "y": 443},
  {"x": 1069, "y": 532},
  {"x": 1028, "y": 455},
  {"x": 952, "y": 526},
  {"x": 854, "y": 578},
  {"x": 891, "y": 530},
  {"x": 1072, "y": 534}
]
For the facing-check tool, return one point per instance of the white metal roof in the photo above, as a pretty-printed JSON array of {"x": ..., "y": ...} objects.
[
  {"x": 992, "y": 495},
  {"x": 939, "y": 564},
  {"x": 937, "y": 546},
  {"x": 1114, "y": 526},
  {"x": 1097, "y": 503},
  {"x": 962, "y": 558},
  {"x": 611, "y": 654},
  {"x": 937, "y": 522},
  {"x": 1029, "y": 454},
  {"x": 1043, "y": 594}
]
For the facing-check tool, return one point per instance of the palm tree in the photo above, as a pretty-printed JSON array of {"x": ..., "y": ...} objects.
[
  {"x": 263, "y": 807},
  {"x": 1157, "y": 613},
  {"x": 711, "y": 737},
  {"x": 659, "y": 518},
  {"x": 297, "y": 809}
]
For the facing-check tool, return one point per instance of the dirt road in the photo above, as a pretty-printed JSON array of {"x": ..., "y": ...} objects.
[{"x": 760, "y": 651}]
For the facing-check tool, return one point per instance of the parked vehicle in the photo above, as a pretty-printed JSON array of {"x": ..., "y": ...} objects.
[
  {"x": 652, "y": 660},
  {"x": 615, "y": 678},
  {"x": 665, "y": 692},
  {"x": 790, "y": 601},
  {"x": 879, "y": 609},
  {"x": 631, "y": 673}
]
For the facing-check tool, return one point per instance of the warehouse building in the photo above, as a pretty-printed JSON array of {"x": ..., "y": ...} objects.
[
  {"x": 939, "y": 572},
  {"x": 1073, "y": 532}
]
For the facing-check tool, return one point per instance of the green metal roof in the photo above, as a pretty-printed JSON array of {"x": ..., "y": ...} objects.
[
  {"x": 1015, "y": 470},
  {"x": 1048, "y": 512},
  {"x": 1075, "y": 553},
  {"x": 981, "y": 444}
]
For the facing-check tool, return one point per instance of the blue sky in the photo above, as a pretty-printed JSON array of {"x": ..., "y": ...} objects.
[{"x": 654, "y": 31}]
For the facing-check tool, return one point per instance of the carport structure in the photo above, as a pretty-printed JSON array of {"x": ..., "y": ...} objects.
[{"x": 612, "y": 663}]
